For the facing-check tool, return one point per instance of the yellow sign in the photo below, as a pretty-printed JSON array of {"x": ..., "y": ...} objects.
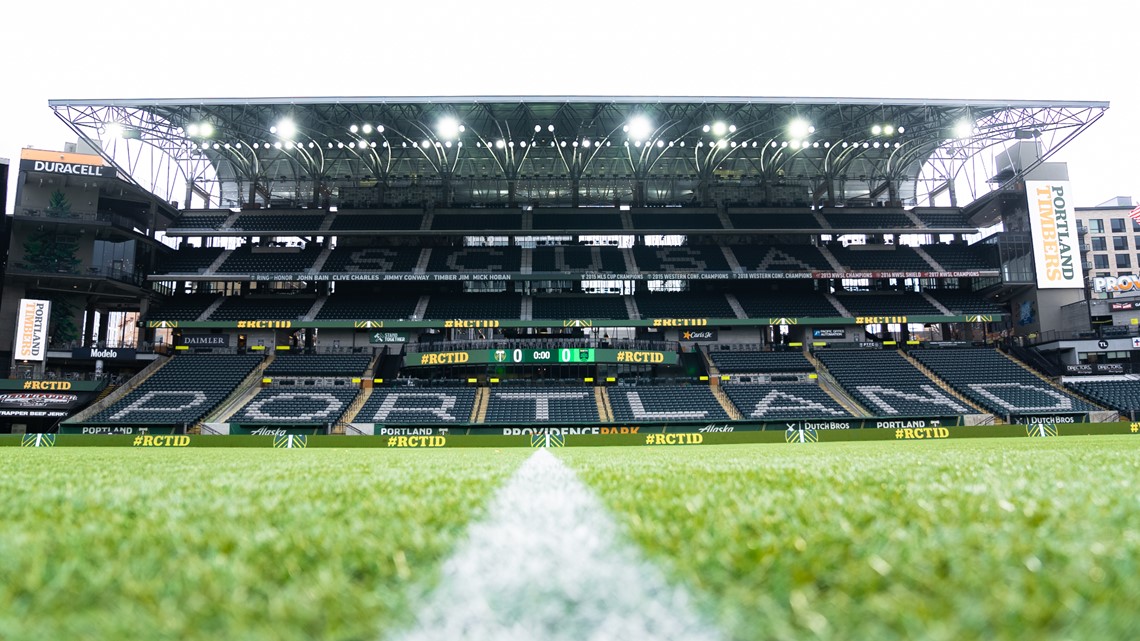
[
  {"x": 161, "y": 441},
  {"x": 444, "y": 358},
  {"x": 417, "y": 441},
  {"x": 878, "y": 320},
  {"x": 907, "y": 434},
  {"x": 674, "y": 439},
  {"x": 640, "y": 357},
  {"x": 470, "y": 324},
  {"x": 273, "y": 324},
  {"x": 48, "y": 385},
  {"x": 680, "y": 322},
  {"x": 367, "y": 324}
]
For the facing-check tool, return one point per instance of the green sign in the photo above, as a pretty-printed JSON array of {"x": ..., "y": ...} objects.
[{"x": 544, "y": 356}]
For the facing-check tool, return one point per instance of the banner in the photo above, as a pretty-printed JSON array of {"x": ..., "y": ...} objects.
[
  {"x": 41, "y": 404},
  {"x": 74, "y": 169},
  {"x": 32, "y": 330},
  {"x": 1054, "y": 232},
  {"x": 104, "y": 353},
  {"x": 828, "y": 333},
  {"x": 1086, "y": 369}
]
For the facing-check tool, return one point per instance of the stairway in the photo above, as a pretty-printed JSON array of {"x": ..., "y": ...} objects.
[
  {"x": 245, "y": 390},
  {"x": 319, "y": 264},
  {"x": 935, "y": 265},
  {"x": 937, "y": 305},
  {"x": 217, "y": 264},
  {"x": 945, "y": 386},
  {"x": 107, "y": 399},
  {"x": 1050, "y": 382},
  {"x": 722, "y": 398},
  {"x": 832, "y": 388},
  {"x": 734, "y": 303},
  {"x": 831, "y": 259},
  {"x": 356, "y": 405},
  {"x": 211, "y": 309},
  {"x": 631, "y": 308},
  {"x": 421, "y": 307},
  {"x": 315, "y": 309},
  {"x": 479, "y": 409},
  {"x": 838, "y": 305},
  {"x": 605, "y": 412},
  {"x": 422, "y": 263}
]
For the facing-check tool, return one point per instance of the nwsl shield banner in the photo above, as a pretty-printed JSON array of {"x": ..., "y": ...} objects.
[{"x": 1054, "y": 230}]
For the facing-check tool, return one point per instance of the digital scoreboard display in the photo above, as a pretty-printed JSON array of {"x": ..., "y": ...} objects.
[{"x": 546, "y": 356}]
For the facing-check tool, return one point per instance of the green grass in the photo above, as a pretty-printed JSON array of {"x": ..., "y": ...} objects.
[
  {"x": 987, "y": 538},
  {"x": 228, "y": 544},
  {"x": 972, "y": 539}
]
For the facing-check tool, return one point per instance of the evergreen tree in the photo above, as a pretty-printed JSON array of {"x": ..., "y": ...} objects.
[
  {"x": 48, "y": 251},
  {"x": 62, "y": 324},
  {"x": 58, "y": 205}
]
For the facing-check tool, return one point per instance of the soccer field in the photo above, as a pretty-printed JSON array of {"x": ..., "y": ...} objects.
[{"x": 987, "y": 538}]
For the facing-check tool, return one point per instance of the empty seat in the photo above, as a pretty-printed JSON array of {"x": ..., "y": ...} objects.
[
  {"x": 887, "y": 384},
  {"x": 670, "y": 403}
]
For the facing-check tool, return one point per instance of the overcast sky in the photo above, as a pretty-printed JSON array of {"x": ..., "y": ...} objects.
[{"x": 1039, "y": 50}]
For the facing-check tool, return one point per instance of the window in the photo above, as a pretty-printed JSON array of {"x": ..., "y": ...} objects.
[
  {"x": 1098, "y": 244},
  {"x": 1123, "y": 261},
  {"x": 1117, "y": 225},
  {"x": 1096, "y": 226},
  {"x": 1135, "y": 225},
  {"x": 1120, "y": 243},
  {"x": 1100, "y": 261}
]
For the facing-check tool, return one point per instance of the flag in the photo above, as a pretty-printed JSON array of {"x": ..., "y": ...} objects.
[{"x": 1135, "y": 214}]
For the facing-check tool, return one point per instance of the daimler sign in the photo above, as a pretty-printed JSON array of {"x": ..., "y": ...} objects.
[{"x": 206, "y": 340}]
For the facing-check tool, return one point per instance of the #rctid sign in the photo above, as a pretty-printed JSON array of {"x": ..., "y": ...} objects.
[{"x": 1054, "y": 233}]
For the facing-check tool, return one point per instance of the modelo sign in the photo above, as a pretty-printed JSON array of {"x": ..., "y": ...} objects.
[
  {"x": 32, "y": 330},
  {"x": 206, "y": 340},
  {"x": 103, "y": 353}
]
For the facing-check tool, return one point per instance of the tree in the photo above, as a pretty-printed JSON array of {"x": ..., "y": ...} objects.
[
  {"x": 62, "y": 325},
  {"x": 58, "y": 205},
  {"x": 48, "y": 251}
]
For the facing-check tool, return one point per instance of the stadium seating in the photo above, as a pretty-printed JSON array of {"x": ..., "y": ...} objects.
[
  {"x": 463, "y": 259},
  {"x": 292, "y": 405},
  {"x": 666, "y": 219},
  {"x": 883, "y": 258},
  {"x": 480, "y": 220},
  {"x": 183, "y": 390},
  {"x": 279, "y": 222},
  {"x": 941, "y": 218},
  {"x": 376, "y": 222},
  {"x": 773, "y": 221},
  {"x": 376, "y": 307},
  {"x": 576, "y": 258},
  {"x": 961, "y": 257},
  {"x": 190, "y": 260},
  {"x": 960, "y": 302},
  {"x": 273, "y": 308},
  {"x": 868, "y": 218},
  {"x": 318, "y": 364},
  {"x": 578, "y": 220},
  {"x": 888, "y": 385},
  {"x": 371, "y": 259},
  {"x": 570, "y": 307},
  {"x": 186, "y": 307},
  {"x": 539, "y": 404},
  {"x": 199, "y": 221},
  {"x": 406, "y": 404},
  {"x": 694, "y": 258},
  {"x": 686, "y": 305},
  {"x": 997, "y": 383},
  {"x": 786, "y": 305},
  {"x": 480, "y": 306},
  {"x": 274, "y": 260},
  {"x": 770, "y": 401},
  {"x": 760, "y": 362},
  {"x": 1120, "y": 395},
  {"x": 780, "y": 258},
  {"x": 883, "y": 304},
  {"x": 665, "y": 403}
]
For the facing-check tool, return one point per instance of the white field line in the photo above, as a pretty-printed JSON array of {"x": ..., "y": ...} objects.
[{"x": 548, "y": 563}]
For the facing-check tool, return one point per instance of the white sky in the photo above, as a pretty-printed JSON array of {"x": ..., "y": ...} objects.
[{"x": 994, "y": 49}]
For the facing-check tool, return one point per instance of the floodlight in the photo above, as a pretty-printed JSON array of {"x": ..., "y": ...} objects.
[
  {"x": 522, "y": 143},
  {"x": 798, "y": 128},
  {"x": 795, "y": 144},
  {"x": 585, "y": 142},
  {"x": 721, "y": 143},
  {"x": 889, "y": 130},
  {"x": 113, "y": 130},
  {"x": 660, "y": 143},
  {"x": 537, "y": 128},
  {"x": 217, "y": 146},
  {"x": 206, "y": 130},
  {"x": 448, "y": 128},
  {"x": 550, "y": 128},
  {"x": 285, "y": 128},
  {"x": 425, "y": 144},
  {"x": 367, "y": 128},
  {"x": 719, "y": 129},
  {"x": 340, "y": 145},
  {"x": 499, "y": 144},
  {"x": 353, "y": 129},
  {"x": 963, "y": 129},
  {"x": 380, "y": 129},
  {"x": 192, "y": 129},
  {"x": 876, "y": 130},
  {"x": 640, "y": 128},
  {"x": 706, "y": 129},
  {"x": 277, "y": 145},
  {"x": 732, "y": 129}
]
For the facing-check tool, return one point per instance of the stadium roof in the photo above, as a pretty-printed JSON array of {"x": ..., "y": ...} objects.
[{"x": 571, "y": 150}]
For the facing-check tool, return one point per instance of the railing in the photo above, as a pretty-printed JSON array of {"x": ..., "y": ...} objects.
[
  {"x": 121, "y": 275},
  {"x": 1106, "y": 332},
  {"x": 84, "y": 217}
]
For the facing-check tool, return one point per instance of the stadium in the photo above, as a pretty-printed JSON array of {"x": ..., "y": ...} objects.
[{"x": 746, "y": 308}]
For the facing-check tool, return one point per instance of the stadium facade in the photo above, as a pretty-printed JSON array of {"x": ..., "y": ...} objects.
[{"x": 347, "y": 264}]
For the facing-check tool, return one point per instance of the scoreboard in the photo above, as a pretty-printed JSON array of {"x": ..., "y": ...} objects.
[{"x": 542, "y": 356}]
